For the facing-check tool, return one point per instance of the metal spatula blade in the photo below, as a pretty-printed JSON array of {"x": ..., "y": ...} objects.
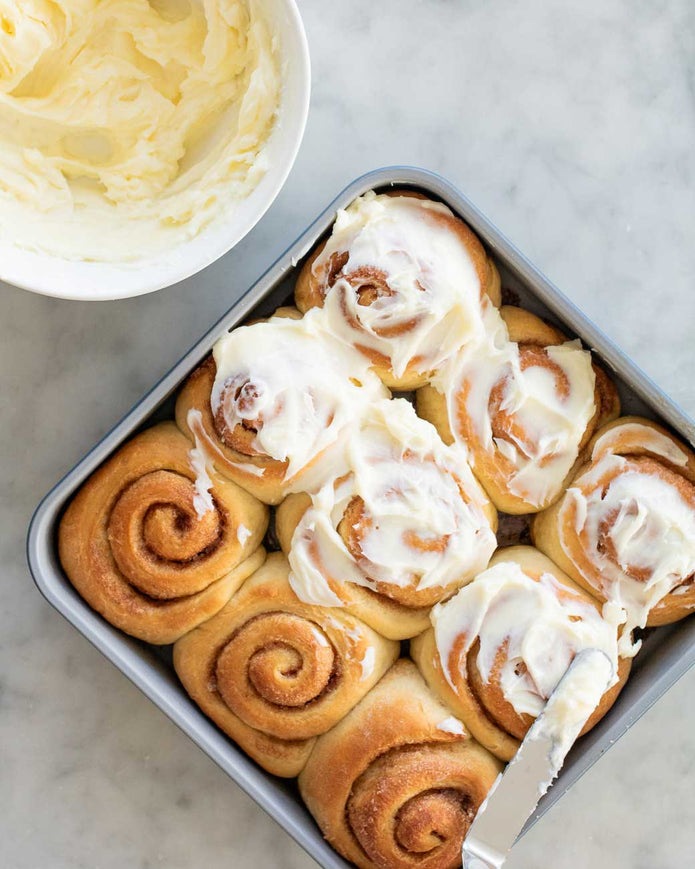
[{"x": 516, "y": 793}]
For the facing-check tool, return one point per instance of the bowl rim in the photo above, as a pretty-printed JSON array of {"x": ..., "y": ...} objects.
[{"x": 163, "y": 273}]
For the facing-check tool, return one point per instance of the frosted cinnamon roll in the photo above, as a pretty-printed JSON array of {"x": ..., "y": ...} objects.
[
  {"x": 499, "y": 647},
  {"x": 625, "y": 529},
  {"x": 524, "y": 401},
  {"x": 397, "y": 783},
  {"x": 399, "y": 526},
  {"x": 402, "y": 279},
  {"x": 157, "y": 543},
  {"x": 273, "y": 402},
  {"x": 274, "y": 673}
]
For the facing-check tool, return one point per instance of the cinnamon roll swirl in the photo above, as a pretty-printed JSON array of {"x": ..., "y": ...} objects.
[
  {"x": 151, "y": 547},
  {"x": 274, "y": 673},
  {"x": 402, "y": 279},
  {"x": 524, "y": 401},
  {"x": 499, "y": 647},
  {"x": 625, "y": 528},
  {"x": 397, "y": 782},
  {"x": 399, "y": 526},
  {"x": 273, "y": 402}
]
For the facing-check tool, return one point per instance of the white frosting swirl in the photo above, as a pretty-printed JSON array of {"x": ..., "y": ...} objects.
[
  {"x": 299, "y": 391},
  {"x": 541, "y": 623},
  {"x": 198, "y": 459},
  {"x": 421, "y": 522},
  {"x": 639, "y": 528},
  {"x": 126, "y": 126},
  {"x": 429, "y": 301},
  {"x": 549, "y": 407},
  {"x": 640, "y": 436}
]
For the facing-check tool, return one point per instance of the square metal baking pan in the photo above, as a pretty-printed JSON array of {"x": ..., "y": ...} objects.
[{"x": 667, "y": 654}]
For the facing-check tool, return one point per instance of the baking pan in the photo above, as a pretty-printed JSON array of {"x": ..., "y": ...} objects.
[{"x": 667, "y": 653}]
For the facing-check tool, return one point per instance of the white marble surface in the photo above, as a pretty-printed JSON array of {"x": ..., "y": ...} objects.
[{"x": 572, "y": 125}]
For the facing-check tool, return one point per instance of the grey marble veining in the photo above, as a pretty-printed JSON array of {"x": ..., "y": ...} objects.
[{"x": 572, "y": 125}]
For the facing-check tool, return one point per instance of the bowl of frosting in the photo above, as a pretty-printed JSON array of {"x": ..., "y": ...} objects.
[{"x": 141, "y": 139}]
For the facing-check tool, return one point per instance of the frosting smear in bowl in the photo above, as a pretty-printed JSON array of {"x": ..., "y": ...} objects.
[{"x": 126, "y": 126}]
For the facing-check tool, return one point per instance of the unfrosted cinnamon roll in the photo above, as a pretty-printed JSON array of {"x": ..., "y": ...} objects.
[
  {"x": 499, "y": 647},
  {"x": 274, "y": 673},
  {"x": 625, "y": 528},
  {"x": 402, "y": 279},
  {"x": 273, "y": 402},
  {"x": 399, "y": 526},
  {"x": 157, "y": 543},
  {"x": 524, "y": 401},
  {"x": 398, "y": 781}
]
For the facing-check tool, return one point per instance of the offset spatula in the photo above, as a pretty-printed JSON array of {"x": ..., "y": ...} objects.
[{"x": 515, "y": 794}]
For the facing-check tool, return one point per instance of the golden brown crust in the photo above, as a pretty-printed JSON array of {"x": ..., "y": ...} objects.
[
  {"x": 391, "y": 786},
  {"x": 548, "y": 526},
  {"x": 494, "y": 470},
  {"x": 308, "y": 293},
  {"x": 481, "y": 705},
  {"x": 430, "y": 404},
  {"x": 274, "y": 672},
  {"x": 313, "y": 285},
  {"x": 134, "y": 547},
  {"x": 526, "y": 328}
]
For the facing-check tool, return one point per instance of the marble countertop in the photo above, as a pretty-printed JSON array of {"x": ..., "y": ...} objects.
[{"x": 572, "y": 125}]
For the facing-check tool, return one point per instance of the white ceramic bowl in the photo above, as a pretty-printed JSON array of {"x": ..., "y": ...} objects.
[{"x": 52, "y": 276}]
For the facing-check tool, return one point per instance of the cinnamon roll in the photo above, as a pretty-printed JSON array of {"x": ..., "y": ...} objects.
[
  {"x": 155, "y": 541},
  {"x": 273, "y": 402},
  {"x": 524, "y": 401},
  {"x": 400, "y": 278},
  {"x": 399, "y": 526},
  {"x": 274, "y": 673},
  {"x": 398, "y": 781},
  {"x": 499, "y": 647},
  {"x": 625, "y": 528}
]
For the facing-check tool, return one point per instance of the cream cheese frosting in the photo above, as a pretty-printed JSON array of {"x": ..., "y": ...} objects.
[
  {"x": 127, "y": 125},
  {"x": 549, "y": 406},
  {"x": 430, "y": 300},
  {"x": 298, "y": 391},
  {"x": 641, "y": 437},
  {"x": 421, "y": 521},
  {"x": 540, "y": 624},
  {"x": 198, "y": 459},
  {"x": 571, "y": 706},
  {"x": 649, "y": 526}
]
